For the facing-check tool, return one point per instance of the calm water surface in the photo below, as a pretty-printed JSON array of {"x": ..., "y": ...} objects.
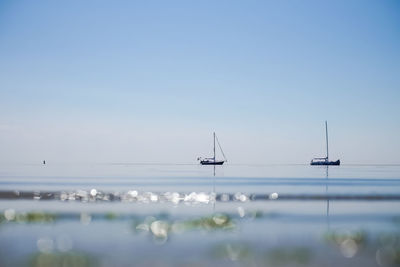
[{"x": 182, "y": 214}]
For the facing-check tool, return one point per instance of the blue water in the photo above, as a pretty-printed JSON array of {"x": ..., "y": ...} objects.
[{"x": 258, "y": 215}]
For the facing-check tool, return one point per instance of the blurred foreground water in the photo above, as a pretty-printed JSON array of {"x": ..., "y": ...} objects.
[{"x": 181, "y": 215}]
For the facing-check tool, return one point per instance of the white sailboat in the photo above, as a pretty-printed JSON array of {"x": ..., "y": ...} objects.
[
  {"x": 325, "y": 161},
  {"x": 213, "y": 160}
]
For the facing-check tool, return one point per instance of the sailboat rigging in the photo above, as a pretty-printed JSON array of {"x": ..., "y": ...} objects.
[
  {"x": 213, "y": 160},
  {"x": 325, "y": 161}
]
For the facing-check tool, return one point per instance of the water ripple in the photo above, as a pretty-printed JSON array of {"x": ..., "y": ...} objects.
[{"x": 135, "y": 196}]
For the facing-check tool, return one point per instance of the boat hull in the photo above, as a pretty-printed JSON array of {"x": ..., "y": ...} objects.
[
  {"x": 207, "y": 162},
  {"x": 326, "y": 163}
]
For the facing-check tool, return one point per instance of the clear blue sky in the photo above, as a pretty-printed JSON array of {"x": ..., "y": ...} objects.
[{"x": 148, "y": 81}]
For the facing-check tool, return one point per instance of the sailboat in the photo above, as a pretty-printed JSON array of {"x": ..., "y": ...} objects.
[
  {"x": 325, "y": 161},
  {"x": 213, "y": 161}
]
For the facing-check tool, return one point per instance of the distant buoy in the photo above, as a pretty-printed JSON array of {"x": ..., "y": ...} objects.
[{"x": 44, "y": 162}]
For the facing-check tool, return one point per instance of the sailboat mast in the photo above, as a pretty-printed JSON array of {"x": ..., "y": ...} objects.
[
  {"x": 326, "y": 134},
  {"x": 214, "y": 146}
]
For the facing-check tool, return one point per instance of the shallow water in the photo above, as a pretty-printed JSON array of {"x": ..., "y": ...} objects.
[{"x": 182, "y": 214}]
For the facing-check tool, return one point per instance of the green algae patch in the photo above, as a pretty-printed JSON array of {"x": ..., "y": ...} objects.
[
  {"x": 71, "y": 259},
  {"x": 287, "y": 256}
]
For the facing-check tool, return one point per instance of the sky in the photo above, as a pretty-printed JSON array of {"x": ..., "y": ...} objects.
[{"x": 149, "y": 81}]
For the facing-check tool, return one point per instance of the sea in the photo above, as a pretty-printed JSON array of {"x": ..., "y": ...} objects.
[{"x": 136, "y": 214}]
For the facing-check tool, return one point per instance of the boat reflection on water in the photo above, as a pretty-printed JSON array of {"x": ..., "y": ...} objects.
[{"x": 327, "y": 197}]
